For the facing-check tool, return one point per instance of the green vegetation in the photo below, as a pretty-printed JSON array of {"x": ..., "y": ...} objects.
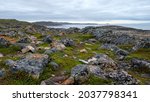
[
  {"x": 94, "y": 80},
  {"x": 140, "y": 54}
]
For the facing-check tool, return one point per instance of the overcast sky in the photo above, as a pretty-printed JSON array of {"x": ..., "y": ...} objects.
[{"x": 77, "y": 10}]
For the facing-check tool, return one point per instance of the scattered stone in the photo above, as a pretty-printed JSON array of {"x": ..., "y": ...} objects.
[
  {"x": 32, "y": 64},
  {"x": 27, "y": 49}
]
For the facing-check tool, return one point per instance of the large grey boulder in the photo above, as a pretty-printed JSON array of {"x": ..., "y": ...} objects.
[{"x": 33, "y": 64}]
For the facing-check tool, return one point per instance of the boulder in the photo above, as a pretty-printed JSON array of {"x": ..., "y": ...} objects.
[
  {"x": 48, "y": 39},
  {"x": 80, "y": 74},
  {"x": 97, "y": 71},
  {"x": 67, "y": 42},
  {"x": 32, "y": 64},
  {"x": 4, "y": 42},
  {"x": 103, "y": 61}
]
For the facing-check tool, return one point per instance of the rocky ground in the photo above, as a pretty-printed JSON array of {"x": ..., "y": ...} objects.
[{"x": 33, "y": 54}]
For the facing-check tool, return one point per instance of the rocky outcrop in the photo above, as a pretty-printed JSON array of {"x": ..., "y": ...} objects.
[
  {"x": 137, "y": 63},
  {"x": 119, "y": 52},
  {"x": 144, "y": 43},
  {"x": 32, "y": 64}
]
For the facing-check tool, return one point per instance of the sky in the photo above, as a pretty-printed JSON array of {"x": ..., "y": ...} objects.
[{"x": 96, "y": 11}]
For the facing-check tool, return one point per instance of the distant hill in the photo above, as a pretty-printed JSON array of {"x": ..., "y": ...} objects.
[{"x": 50, "y": 23}]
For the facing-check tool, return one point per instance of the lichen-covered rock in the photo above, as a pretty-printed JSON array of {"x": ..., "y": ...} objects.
[
  {"x": 51, "y": 51},
  {"x": 54, "y": 65},
  {"x": 80, "y": 73},
  {"x": 32, "y": 64},
  {"x": 122, "y": 78},
  {"x": 103, "y": 61}
]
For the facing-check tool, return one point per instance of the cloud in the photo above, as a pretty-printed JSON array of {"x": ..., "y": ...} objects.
[{"x": 76, "y": 10}]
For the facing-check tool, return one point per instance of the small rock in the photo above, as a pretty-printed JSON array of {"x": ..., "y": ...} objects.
[
  {"x": 1, "y": 55},
  {"x": 83, "y": 51},
  {"x": 54, "y": 65},
  {"x": 27, "y": 49},
  {"x": 59, "y": 46}
]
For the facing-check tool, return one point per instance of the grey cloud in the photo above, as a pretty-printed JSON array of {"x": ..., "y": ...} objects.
[{"x": 75, "y": 10}]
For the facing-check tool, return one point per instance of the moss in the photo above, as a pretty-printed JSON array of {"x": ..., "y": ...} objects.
[
  {"x": 126, "y": 47},
  {"x": 142, "y": 80},
  {"x": 19, "y": 78},
  {"x": 10, "y": 50},
  {"x": 94, "y": 80},
  {"x": 140, "y": 54},
  {"x": 44, "y": 45},
  {"x": 65, "y": 63}
]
